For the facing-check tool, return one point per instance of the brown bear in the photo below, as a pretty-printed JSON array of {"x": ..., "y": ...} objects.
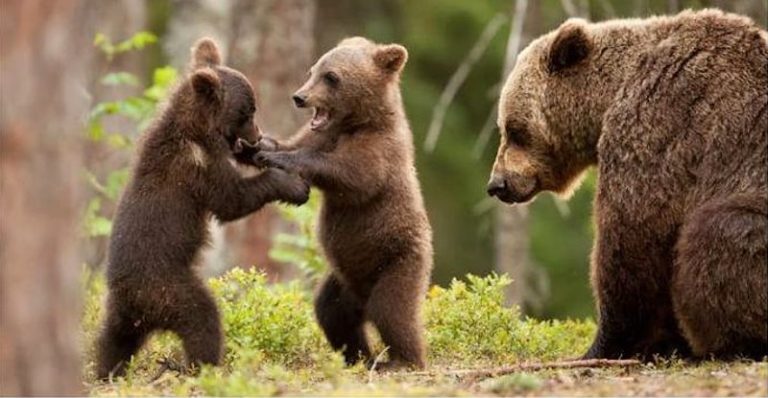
[
  {"x": 673, "y": 111},
  {"x": 183, "y": 175},
  {"x": 358, "y": 150}
]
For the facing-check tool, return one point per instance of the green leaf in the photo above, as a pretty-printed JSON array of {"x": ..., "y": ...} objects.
[
  {"x": 118, "y": 141},
  {"x": 162, "y": 79},
  {"x": 142, "y": 39},
  {"x": 116, "y": 181},
  {"x": 136, "y": 108},
  {"x": 95, "y": 130},
  {"x": 99, "y": 226},
  {"x": 286, "y": 256},
  {"x": 120, "y": 79},
  {"x": 136, "y": 42},
  {"x": 104, "y": 44},
  {"x": 100, "y": 39},
  {"x": 164, "y": 76},
  {"x": 94, "y": 224},
  {"x": 103, "y": 109}
]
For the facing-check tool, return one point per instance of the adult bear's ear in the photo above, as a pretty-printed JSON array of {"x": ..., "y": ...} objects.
[
  {"x": 206, "y": 85},
  {"x": 390, "y": 57},
  {"x": 205, "y": 53},
  {"x": 570, "y": 46}
]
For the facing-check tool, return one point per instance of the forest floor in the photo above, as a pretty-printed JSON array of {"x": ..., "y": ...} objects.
[
  {"x": 274, "y": 347},
  {"x": 671, "y": 379}
]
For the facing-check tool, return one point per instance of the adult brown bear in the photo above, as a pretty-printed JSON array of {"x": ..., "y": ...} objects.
[{"x": 673, "y": 111}]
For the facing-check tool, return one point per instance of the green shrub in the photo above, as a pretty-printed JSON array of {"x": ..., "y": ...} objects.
[
  {"x": 276, "y": 321},
  {"x": 271, "y": 333},
  {"x": 468, "y": 321}
]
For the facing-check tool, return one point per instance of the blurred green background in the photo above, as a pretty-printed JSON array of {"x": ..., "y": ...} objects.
[{"x": 439, "y": 34}]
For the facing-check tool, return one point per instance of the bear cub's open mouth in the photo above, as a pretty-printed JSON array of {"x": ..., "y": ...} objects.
[{"x": 320, "y": 119}]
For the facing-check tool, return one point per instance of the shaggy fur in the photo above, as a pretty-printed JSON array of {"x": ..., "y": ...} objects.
[
  {"x": 374, "y": 229},
  {"x": 184, "y": 174},
  {"x": 674, "y": 113}
]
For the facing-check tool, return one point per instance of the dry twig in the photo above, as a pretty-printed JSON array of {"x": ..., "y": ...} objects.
[
  {"x": 513, "y": 47},
  {"x": 458, "y": 78},
  {"x": 474, "y": 374},
  {"x": 372, "y": 370}
]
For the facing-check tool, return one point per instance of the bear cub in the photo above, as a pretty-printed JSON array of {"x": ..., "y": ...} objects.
[
  {"x": 184, "y": 174},
  {"x": 358, "y": 150}
]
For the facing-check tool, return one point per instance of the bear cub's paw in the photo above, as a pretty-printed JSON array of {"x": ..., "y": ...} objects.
[{"x": 292, "y": 189}]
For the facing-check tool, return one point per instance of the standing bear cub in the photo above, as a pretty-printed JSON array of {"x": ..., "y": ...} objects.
[
  {"x": 183, "y": 175},
  {"x": 358, "y": 151},
  {"x": 674, "y": 113}
]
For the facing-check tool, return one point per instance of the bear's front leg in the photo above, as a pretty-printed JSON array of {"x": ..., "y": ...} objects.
[
  {"x": 285, "y": 160},
  {"x": 631, "y": 271}
]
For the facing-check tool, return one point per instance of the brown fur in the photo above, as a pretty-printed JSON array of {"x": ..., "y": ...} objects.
[
  {"x": 674, "y": 113},
  {"x": 183, "y": 176},
  {"x": 373, "y": 225}
]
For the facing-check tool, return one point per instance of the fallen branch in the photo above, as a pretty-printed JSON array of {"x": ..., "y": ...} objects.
[
  {"x": 514, "y": 42},
  {"x": 458, "y": 78},
  {"x": 570, "y": 8},
  {"x": 376, "y": 361},
  {"x": 485, "y": 133},
  {"x": 494, "y": 372},
  {"x": 166, "y": 364}
]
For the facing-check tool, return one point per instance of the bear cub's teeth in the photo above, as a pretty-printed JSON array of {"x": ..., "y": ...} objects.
[{"x": 320, "y": 119}]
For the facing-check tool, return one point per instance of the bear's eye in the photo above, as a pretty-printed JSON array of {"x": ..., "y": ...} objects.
[
  {"x": 244, "y": 119},
  {"x": 331, "y": 79},
  {"x": 517, "y": 135}
]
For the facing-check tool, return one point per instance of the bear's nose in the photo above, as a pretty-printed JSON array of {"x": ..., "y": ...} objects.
[
  {"x": 496, "y": 186},
  {"x": 300, "y": 100}
]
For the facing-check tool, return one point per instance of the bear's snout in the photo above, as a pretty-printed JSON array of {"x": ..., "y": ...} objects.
[
  {"x": 496, "y": 186},
  {"x": 513, "y": 188},
  {"x": 300, "y": 100}
]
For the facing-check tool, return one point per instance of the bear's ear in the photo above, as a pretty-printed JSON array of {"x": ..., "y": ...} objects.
[
  {"x": 354, "y": 41},
  {"x": 391, "y": 57},
  {"x": 205, "y": 53},
  {"x": 570, "y": 46},
  {"x": 206, "y": 84}
]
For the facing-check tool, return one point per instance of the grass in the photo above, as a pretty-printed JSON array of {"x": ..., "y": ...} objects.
[{"x": 274, "y": 347}]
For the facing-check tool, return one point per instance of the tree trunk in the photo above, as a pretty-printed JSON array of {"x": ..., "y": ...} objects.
[
  {"x": 512, "y": 240},
  {"x": 272, "y": 43},
  {"x": 44, "y": 62}
]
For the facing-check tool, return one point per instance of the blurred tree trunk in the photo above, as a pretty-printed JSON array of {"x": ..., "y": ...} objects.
[
  {"x": 673, "y": 6},
  {"x": 512, "y": 239},
  {"x": 272, "y": 43},
  {"x": 45, "y": 64}
]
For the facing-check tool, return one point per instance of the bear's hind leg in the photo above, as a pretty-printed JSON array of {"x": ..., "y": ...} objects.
[
  {"x": 195, "y": 318},
  {"x": 720, "y": 289},
  {"x": 340, "y": 315},
  {"x": 120, "y": 339},
  {"x": 395, "y": 308}
]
